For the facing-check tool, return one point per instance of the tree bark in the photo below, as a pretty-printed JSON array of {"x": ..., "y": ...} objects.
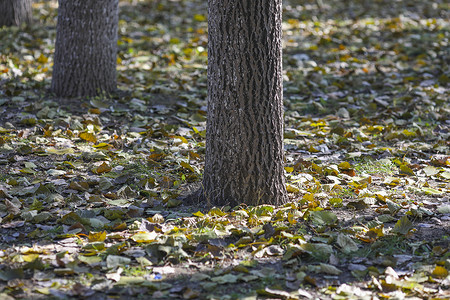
[
  {"x": 15, "y": 12},
  {"x": 244, "y": 136},
  {"x": 86, "y": 48}
]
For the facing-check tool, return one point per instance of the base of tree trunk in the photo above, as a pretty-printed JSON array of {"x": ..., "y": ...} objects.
[
  {"x": 198, "y": 198},
  {"x": 195, "y": 198}
]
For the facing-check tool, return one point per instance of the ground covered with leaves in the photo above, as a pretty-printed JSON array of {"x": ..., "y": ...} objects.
[{"x": 91, "y": 189}]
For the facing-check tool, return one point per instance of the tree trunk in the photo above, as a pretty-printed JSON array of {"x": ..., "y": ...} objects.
[
  {"x": 86, "y": 48},
  {"x": 244, "y": 136},
  {"x": 15, "y": 12}
]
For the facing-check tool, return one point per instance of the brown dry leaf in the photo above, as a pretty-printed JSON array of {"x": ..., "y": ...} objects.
[
  {"x": 103, "y": 168},
  {"x": 12, "y": 208}
]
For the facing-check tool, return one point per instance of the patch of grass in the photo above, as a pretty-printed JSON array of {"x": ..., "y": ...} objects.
[
  {"x": 3, "y": 178},
  {"x": 391, "y": 244},
  {"x": 344, "y": 193},
  {"x": 136, "y": 271},
  {"x": 371, "y": 166}
]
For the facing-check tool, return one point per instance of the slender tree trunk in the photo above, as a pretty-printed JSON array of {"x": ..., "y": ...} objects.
[
  {"x": 86, "y": 48},
  {"x": 15, "y": 12},
  {"x": 244, "y": 137}
]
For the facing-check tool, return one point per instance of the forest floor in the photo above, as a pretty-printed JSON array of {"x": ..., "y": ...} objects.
[{"x": 91, "y": 189}]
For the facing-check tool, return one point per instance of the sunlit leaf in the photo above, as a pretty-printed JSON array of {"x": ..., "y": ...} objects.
[
  {"x": 430, "y": 170},
  {"x": 292, "y": 189},
  {"x": 62, "y": 151},
  {"x": 431, "y": 191},
  {"x": 97, "y": 236},
  {"x": 89, "y": 137},
  {"x": 144, "y": 237},
  {"x": 405, "y": 170},
  {"x": 289, "y": 169},
  {"x": 344, "y": 166},
  {"x": 440, "y": 271}
]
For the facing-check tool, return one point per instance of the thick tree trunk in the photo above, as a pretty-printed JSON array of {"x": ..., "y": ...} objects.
[
  {"x": 86, "y": 48},
  {"x": 15, "y": 12},
  {"x": 244, "y": 137}
]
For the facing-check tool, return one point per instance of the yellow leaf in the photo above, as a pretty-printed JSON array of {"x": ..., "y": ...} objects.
[
  {"x": 182, "y": 138},
  {"x": 289, "y": 169},
  {"x": 187, "y": 166},
  {"x": 312, "y": 149},
  {"x": 378, "y": 231},
  {"x": 102, "y": 145},
  {"x": 309, "y": 197},
  {"x": 405, "y": 170},
  {"x": 97, "y": 236},
  {"x": 88, "y": 137},
  {"x": 198, "y": 214},
  {"x": 241, "y": 268},
  {"x": 392, "y": 181},
  {"x": 344, "y": 166},
  {"x": 199, "y": 18},
  {"x": 145, "y": 237},
  {"x": 30, "y": 257},
  {"x": 291, "y": 219},
  {"x": 431, "y": 191},
  {"x": 59, "y": 151},
  {"x": 292, "y": 189},
  {"x": 42, "y": 59},
  {"x": 215, "y": 211},
  {"x": 43, "y": 291},
  {"x": 440, "y": 272}
]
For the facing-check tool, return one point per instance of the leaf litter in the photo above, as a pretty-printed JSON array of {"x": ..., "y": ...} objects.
[{"x": 91, "y": 189}]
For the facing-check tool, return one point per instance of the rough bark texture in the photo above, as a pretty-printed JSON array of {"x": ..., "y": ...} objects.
[
  {"x": 86, "y": 48},
  {"x": 15, "y": 12},
  {"x": 244, "y": 137}
]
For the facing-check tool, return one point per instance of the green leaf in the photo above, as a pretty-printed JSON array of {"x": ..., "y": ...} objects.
[
  {"x": 319, "y": 251},
  {"x": 444, "y": 209},
  {"x": 323, "y": 217},
  {"x": 113, "y": 261},
  {"x": 347, "y": 244},
  {"x": 403, "y": 226},
  {"x": 405, "y": 170},
  {"x": 329, "y": 269},
  {"x": 228, "y": 278},
  {"x": 90, "y": 260}
]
